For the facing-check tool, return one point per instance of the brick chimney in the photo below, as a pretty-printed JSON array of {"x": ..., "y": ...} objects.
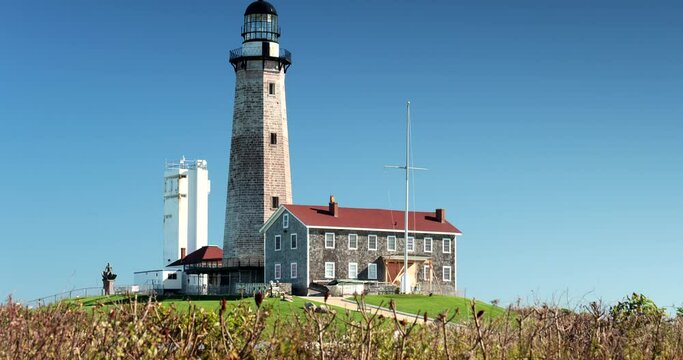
[
  {"x": 183, "y": 252},
  {"x": 334, "y": 207},
  {"x": 441, "y": 215}
]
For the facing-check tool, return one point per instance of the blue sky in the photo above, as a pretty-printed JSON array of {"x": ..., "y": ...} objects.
[{"x": 552, "y": 131}]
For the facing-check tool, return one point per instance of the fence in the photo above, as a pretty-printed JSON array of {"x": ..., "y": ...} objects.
[
  {"x": 71, "y": 294},
  {"x": 243, "y": 289}
]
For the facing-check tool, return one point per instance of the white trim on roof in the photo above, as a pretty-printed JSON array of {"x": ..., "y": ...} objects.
[
  {"x": 386, "y": 230},
  {"x": 308, "y": 259},
  {"x": 271, "y": 219},
  {"x": 275, "y": 215}
]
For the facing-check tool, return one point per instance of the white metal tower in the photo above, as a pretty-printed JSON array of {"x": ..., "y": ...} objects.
[{"x": 186, "y": 199}]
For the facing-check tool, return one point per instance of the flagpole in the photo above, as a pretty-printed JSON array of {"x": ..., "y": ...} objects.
[{"x": 406, "y": 287}]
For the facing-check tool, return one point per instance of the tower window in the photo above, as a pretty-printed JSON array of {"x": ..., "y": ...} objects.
[
  {"x": 271, "y": 88},
  {"x": 275, "y": 202},
  {"x": 273, "y": 138}
]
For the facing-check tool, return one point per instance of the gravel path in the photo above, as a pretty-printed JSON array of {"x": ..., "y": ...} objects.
[{"x": 351, "y": 305}]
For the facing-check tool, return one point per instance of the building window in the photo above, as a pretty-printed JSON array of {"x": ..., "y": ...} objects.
[
  {"x": 273, "y": 138},
  {"x": 372, "y": 271},
  {"x": 411, "y": 244},
  {"x": 278, "y": 242},
  {"x": 329, "y": 240},
  {"x": 271, "y": 88},
  {"x": 446, "y": 245},
  {"x": 285, "y": 221},
  {"x": 426, "y": 276},
  {"x": 275, "y": 202},
  {"x": 446, "y": 273},
  {"x": 353, "y": 241},
  {"x": 278, "y": 271},
  {"x": 372, "y": 242},
  {"x": 293, "y": 239},
  {"x": 391, "y": 243},
  {"x": 329, "y": 270},
  {"x": 173, "y": 276},
  {"x": 353, "y": 270},
  {"x": 293, "y": 271},
  {"x": 428, "y": 245}
]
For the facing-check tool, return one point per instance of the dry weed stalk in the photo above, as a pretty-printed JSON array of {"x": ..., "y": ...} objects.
[{"x": 633, "y": 329}]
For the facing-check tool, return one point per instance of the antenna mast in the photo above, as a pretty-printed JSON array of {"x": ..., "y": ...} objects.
[
  {"x": 405, "y": 287},
  {"x": 404, "y": 283}
]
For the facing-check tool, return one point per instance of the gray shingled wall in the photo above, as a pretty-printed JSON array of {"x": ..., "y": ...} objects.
[
  {"x": 286, "y": 255},
  {"x": 341, "y": 255},
  {"x": 258, "y": 170}
]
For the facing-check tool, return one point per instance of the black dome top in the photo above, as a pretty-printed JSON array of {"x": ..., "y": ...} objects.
[{"x": 260, "y": 7}]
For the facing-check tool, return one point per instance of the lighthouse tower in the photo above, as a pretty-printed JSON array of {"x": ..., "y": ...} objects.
[{"x": 259, "y": 178}]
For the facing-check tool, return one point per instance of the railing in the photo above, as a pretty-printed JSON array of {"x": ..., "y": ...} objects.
[
  {"x": 235, "y": 53},
  {"x": 147, "y": 289},
  {"x": 284, "y": 55},
  {"x": 186, "y": 164},
  {"x": 242, "y": 289},
  {"x": 232, "y": 263},
  {"x": 75, "y": 293},
  {"x": 205, "y": 265}
]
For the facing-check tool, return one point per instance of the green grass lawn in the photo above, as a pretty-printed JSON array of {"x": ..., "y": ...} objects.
[
  {"x": 434, "y": 305},
  {"x": 183, "y": 303},
  {"x": 411, "y": 303},
  {"x": 282, "y": 310}
]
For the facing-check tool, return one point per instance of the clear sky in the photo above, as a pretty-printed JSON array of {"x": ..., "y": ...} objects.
[{"x": 553, "y": 131}]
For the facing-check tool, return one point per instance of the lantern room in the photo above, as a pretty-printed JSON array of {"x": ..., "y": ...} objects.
[{"x": 260, "y": 22}]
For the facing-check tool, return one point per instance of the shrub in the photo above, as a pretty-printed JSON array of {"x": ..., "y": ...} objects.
[{"x": 634, "y": 328}]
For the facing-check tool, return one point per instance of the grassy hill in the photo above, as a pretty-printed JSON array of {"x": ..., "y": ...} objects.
[
  {"x": 405, "y": 303},
  {"x": 434, "y": 305},
  {"x": 184, "y": 303}
]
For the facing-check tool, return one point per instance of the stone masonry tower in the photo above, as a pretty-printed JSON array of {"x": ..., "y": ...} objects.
[{"x": 259, "y": 178}]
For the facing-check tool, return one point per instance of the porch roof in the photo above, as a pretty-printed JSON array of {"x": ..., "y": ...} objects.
[{"x": 203, "y": 254}]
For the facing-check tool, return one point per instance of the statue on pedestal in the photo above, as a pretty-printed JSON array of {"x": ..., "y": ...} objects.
[{"x": 108, "y": 278}]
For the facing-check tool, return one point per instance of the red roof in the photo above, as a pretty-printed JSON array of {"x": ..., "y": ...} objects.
[
  {"x": 420, "y": 221},
  {"x": 205, "y": 253}
]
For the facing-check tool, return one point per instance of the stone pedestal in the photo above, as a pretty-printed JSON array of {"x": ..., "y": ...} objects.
[{"x": 108, "y": 286}]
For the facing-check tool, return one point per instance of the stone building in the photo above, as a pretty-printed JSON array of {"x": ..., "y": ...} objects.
[
  {"x": 259, "y": 178},
  {"x": 325, "y": 245}
]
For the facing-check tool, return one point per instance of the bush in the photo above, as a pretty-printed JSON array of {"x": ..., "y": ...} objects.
[{"x": 634, "y": 329}]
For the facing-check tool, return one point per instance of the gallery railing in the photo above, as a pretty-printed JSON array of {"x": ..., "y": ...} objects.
[{"x": 238, "y": 53}]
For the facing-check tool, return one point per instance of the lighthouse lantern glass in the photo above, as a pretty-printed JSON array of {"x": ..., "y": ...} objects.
[{"x": 260, "y": 27}]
